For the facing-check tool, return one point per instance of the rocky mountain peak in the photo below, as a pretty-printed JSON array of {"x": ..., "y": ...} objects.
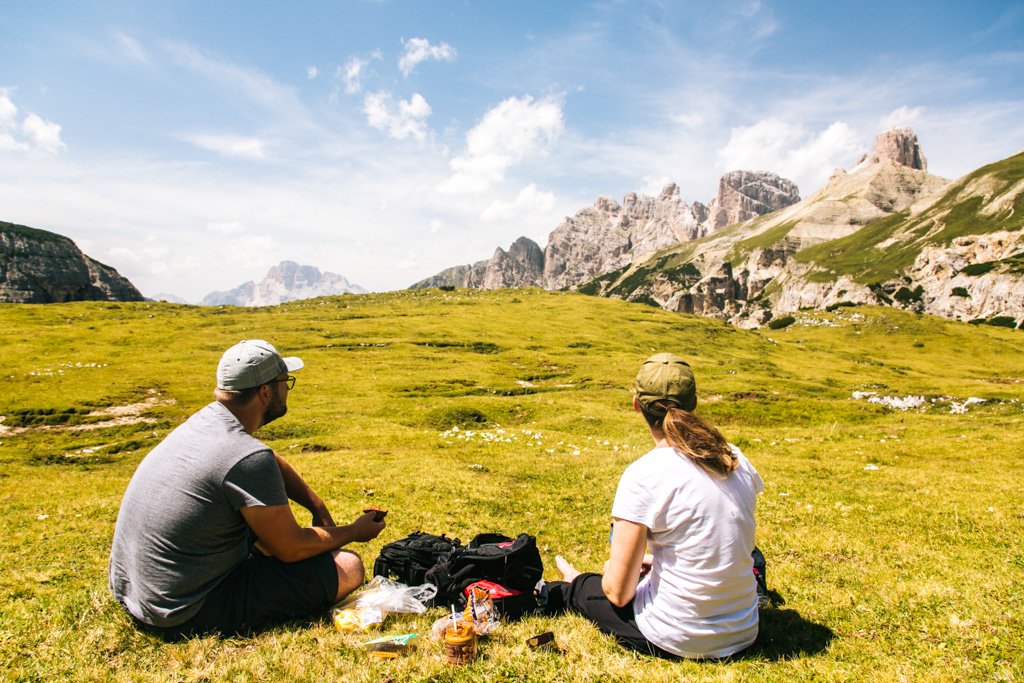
[
  {"x": 743, "y": 195},
  {"x": 669, "y": 192},
  {"x": 606, "y": 205},
  {"x": 900, "y": 146},
  {"x": 287, "y": 281}
]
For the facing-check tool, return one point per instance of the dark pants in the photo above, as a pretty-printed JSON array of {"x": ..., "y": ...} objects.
[
  {"x": 584, "y": 596},
  {"x": 258, "y": 593}
]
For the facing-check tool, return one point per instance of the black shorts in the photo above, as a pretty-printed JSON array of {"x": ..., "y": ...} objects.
[{"x": 258, "y": 593}]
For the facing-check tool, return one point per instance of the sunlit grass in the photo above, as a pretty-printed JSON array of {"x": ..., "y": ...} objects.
[{"x": 894, "y": 538}]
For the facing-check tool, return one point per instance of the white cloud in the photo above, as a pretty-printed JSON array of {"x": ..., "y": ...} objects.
[
  {"x": 45, "y": 135},
  {"x": 229, "y": 145},
  {"x": 904, "y": 116},
  {"x": 806, "y": 157},
  {"x": 311, "y": 72},
  {"x": 32, "y": 134},
  {"x": 157, "y": 261},
  {"x": 419, "y": 50},
  {"x": 8, "y": 112},
  {"x": 407, "y": 118},
  {"x": 351, "y": 73},
  {"x": 516, "y": 129},
  {"x": 354, "y": 71},
  {"x": 530, "y": 200}
]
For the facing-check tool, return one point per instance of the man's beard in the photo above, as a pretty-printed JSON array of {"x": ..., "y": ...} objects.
[{"x": 275, "y": 409}]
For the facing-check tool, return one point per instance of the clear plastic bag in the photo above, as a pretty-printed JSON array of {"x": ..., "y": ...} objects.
[{"x": 377, "y": 599}]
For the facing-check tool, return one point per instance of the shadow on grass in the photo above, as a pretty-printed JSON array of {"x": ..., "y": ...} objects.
[{"x": 783, "y": 634}]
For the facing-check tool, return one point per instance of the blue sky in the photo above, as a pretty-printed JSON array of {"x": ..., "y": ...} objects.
[{"x": 193, "y": 145}]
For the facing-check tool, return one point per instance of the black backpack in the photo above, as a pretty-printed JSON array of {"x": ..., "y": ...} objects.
[
  {"x": 760, "y": 568},
  {"x": 407, "y": 560},
  {"x": 512, "y": 563}
]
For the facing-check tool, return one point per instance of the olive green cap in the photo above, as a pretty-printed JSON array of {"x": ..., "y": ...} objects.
[{"x": 665, "y": 377}]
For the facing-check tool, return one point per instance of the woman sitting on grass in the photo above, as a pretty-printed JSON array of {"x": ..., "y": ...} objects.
[{"x": 691, "y": 502}]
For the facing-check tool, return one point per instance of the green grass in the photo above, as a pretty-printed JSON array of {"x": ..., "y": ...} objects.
[
  {"x": 894, "y": 538},
  {"x": 764, "y": 240}
]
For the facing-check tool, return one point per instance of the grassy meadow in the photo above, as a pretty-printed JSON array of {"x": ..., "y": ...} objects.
[{"x": 894, "y": 539}]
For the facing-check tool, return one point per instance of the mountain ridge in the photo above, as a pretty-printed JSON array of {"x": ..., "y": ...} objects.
[
  {"x": 287, "y": 281},
  {"x": 608, "y": 235},
  {"x": 38, "y": 266},
  {"x": 885, "y": 232}
]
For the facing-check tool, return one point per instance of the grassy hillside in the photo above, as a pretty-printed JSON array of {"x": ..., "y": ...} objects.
[
  {"x": 893, "y": 538},
  {"x": 962, "y": 210}
]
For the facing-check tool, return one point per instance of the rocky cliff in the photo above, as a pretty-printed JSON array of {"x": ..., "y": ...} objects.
[
  {"x": 40, "y": 267},
  {"x": 886, "y": 233},
  {"x": 608, "y": 236},
  {"x": 287, "y": 281}
]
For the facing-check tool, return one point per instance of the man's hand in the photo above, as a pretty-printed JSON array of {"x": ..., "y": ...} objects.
[{"x": 366, "y": 527}]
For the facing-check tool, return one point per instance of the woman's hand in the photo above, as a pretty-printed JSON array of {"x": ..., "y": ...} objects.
[{"x": 622, "y": 570}]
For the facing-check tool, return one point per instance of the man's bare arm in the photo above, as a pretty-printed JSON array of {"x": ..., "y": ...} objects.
[
  {"x": 303, "y": 494},
  {"x": 282, "y": 537}
]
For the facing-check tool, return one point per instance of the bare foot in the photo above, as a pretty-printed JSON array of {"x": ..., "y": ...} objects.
[{"x": 569, "y": 572}]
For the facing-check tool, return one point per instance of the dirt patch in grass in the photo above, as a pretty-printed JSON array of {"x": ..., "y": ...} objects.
[{"x": 102, "y": 418}]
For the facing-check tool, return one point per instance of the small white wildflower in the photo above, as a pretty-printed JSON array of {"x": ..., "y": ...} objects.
[
  {"x": 42, "y": 517},
  {"x": 576, "y": 452}
]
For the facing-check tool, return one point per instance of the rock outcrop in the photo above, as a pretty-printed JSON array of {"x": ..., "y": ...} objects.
[
  {"x": 608, "y": 236},
  {"x": 743, "y": 195},
  {"x": 287, "y": 281},
  {"x": 898, "y": 145},
  {"x": 40, "y": 267}
]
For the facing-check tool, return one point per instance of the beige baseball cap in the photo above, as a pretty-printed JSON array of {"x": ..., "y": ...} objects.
[
  {"x": 250, "y": 363},
  {"x": 665, "y": 377}
]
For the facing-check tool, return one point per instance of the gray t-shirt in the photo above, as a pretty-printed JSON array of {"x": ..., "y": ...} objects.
[{"x": 180, "y": 530}]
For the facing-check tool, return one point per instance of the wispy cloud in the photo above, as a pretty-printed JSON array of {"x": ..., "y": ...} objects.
[
  {"x": 420, "y": 50},
  {"x": 404, "y": 119},
  {"x": 516, "y": 129},
  {"x": 129, "y": 47},
  {"x": 353, "y": 72},
  {"x": 902, "y": 116},
  {"x": 255, "y": 86},
  {"x": 229, "y": 145}
]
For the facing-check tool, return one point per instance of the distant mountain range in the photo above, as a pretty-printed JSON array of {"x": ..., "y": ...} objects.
[
  {"x": 287, "y": 281},
  {"x": 886, "y": 232}
]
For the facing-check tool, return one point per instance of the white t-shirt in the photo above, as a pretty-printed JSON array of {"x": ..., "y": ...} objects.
[{"x": 700, "y": 599}]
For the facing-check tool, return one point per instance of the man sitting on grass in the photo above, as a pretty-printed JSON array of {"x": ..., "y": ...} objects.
[{"x": 205, "y": 539}]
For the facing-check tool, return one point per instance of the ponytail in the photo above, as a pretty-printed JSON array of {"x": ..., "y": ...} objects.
[{"x": 694, "y": 438}]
